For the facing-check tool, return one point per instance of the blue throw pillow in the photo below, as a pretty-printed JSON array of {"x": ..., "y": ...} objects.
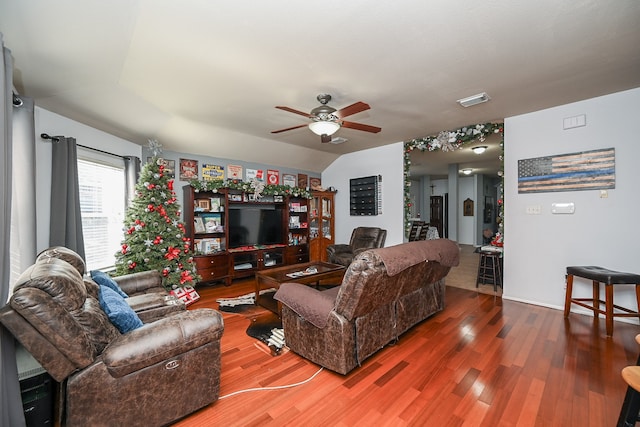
[
  {"x": 120, "y": 314},
  {"x": 103, "y": 279}
]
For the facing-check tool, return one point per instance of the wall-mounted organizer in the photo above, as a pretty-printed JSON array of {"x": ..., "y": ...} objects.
[{"x": 366, "y": 195}]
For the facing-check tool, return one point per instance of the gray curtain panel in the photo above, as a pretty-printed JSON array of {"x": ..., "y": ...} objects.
[
  {"x": 11, "y": 412},
  {"x": 65, "y": 228},
  {"x": 131, "y": 173}
]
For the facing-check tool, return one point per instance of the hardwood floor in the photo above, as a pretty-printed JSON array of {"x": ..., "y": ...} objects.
[{"x": 481, "y": 362}]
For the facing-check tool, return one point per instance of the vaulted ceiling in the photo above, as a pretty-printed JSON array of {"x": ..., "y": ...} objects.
[{"x": 204, "y": 77}]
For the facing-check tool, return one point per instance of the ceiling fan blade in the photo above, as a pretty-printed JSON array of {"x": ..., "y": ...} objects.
[
  {"x": 291, "y": 128},
  {"x": 325, "y": 138},
  {"x": 360, "y": 126},
  {"x": 352, "y": 109},
  {"x": 291, "y": 110}
]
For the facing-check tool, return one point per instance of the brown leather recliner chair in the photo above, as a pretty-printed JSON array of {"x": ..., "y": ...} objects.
[
  {"x": 150, "y": 376},
  {"x": 362, "y": 238},
  {"x": 383, "y": 294},
  {"x": 146, "y": 294}
]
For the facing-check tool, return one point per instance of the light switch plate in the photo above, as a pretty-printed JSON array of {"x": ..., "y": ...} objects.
[
  {"x": 574, "y": 122},
  {"x": 563, "y": 208}
]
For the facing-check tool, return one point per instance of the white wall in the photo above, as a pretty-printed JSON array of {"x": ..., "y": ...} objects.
[
  {"x": 54, "y": 124},
  {"x": 386, "y": 161},
  {"x": 417, "y": 196},
  {"x": 603, "y": 231},
  {"x": 440, "y": 187},
  {"x": 466, "y": 224}
]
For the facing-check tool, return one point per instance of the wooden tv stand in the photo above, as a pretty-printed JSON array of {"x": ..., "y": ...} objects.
[
  {"x": 218, "y": 261},
  {"x": 246, "y": 261}
]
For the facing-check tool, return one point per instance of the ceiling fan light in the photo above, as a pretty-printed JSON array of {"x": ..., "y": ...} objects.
[
  {"x": 324, "y": 127},
  {"x": 474, "y": 99},
  {"x": 479, "y": 149}
]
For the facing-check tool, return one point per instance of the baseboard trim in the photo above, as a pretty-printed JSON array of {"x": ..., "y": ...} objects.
[{"x": 583, "y": 311}]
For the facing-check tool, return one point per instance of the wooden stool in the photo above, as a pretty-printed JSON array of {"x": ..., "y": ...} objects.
[
  {"x": 631, "y": 404},
  {"x": 609, "y": 277},
  {"x": 489, "y": 270}
]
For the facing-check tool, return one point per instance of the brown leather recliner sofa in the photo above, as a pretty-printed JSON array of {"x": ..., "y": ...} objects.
[
  {"x": 150, "y": 376},
  {"x": 384, "y": 292},
  {"x": 362, "y": 238},
  {"x": 146, "y": 294}
]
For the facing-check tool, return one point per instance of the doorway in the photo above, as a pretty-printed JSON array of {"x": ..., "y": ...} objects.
[{"x": 438, "y": 214}]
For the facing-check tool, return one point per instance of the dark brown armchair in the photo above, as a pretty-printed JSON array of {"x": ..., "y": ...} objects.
[
  {"x": 150, "y": 376},
  {"x": 362, "y": 238},
  {"x": 146, "y": 294}
]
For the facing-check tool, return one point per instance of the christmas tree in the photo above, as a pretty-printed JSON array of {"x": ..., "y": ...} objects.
[{"x": 154, "y": 236}]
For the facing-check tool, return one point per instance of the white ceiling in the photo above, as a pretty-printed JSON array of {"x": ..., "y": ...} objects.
[{"x": 204, "y": 76}]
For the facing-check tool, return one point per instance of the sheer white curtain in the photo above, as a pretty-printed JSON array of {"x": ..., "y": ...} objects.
[{"x": 23, "y": 207}]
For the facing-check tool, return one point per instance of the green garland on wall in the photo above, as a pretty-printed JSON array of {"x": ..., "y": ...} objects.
[
  {"x": 449, "y": 141},
  {"x": 269, "y": 189}
]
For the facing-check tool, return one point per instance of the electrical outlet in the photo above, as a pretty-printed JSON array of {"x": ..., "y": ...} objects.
[{"x": 533, "y": 210}]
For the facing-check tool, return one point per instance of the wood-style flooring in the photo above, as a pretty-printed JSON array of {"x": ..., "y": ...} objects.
[{"x": 481, "y": 362}]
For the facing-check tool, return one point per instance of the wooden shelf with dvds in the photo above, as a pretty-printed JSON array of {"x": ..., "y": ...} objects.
[
  {"x": 206, "y": 218},
  {"x": 298, "y": 231},
  {"x": 214, "y": 219}
]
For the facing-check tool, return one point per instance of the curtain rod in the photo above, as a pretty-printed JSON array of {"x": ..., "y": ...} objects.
[{"x": 56, "y": 139}]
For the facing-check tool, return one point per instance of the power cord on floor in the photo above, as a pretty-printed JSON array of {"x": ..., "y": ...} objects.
[{"x": 272, "y": 388}]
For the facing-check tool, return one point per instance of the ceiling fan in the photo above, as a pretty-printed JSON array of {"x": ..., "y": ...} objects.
[{"x": 327, "y": 120}]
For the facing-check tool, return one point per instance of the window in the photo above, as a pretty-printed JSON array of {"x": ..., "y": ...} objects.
[{"x": 102, "y": 196}]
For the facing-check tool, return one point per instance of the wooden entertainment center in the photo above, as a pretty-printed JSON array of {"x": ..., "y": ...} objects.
[{"x": 234, "y": 235}]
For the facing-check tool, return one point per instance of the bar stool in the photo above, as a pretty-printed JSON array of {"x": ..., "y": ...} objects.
[
  {"x": 489, "y": 270},
  {"x": 609, "y": 277}
]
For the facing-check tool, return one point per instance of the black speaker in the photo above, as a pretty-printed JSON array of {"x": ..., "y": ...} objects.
[
  {"x": 37, "y": 400},
  {"x": 37, "y": 389}
]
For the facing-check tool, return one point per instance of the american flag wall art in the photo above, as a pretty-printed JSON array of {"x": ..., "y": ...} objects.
[{"x": 587, "y": 170}]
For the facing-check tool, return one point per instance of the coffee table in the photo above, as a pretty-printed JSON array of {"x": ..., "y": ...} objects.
[{"x": 298, "y": 273}]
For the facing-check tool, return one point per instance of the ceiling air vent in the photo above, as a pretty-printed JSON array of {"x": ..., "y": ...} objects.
[
  {"x": 338, "y": 140},
  {"x": 473, "y": 100}
]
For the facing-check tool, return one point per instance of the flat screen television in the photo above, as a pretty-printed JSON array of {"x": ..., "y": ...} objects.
[{"x": 251, "y": 225}]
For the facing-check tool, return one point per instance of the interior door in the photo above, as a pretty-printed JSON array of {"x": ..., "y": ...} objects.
[{"x": 437, "y": 214}]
